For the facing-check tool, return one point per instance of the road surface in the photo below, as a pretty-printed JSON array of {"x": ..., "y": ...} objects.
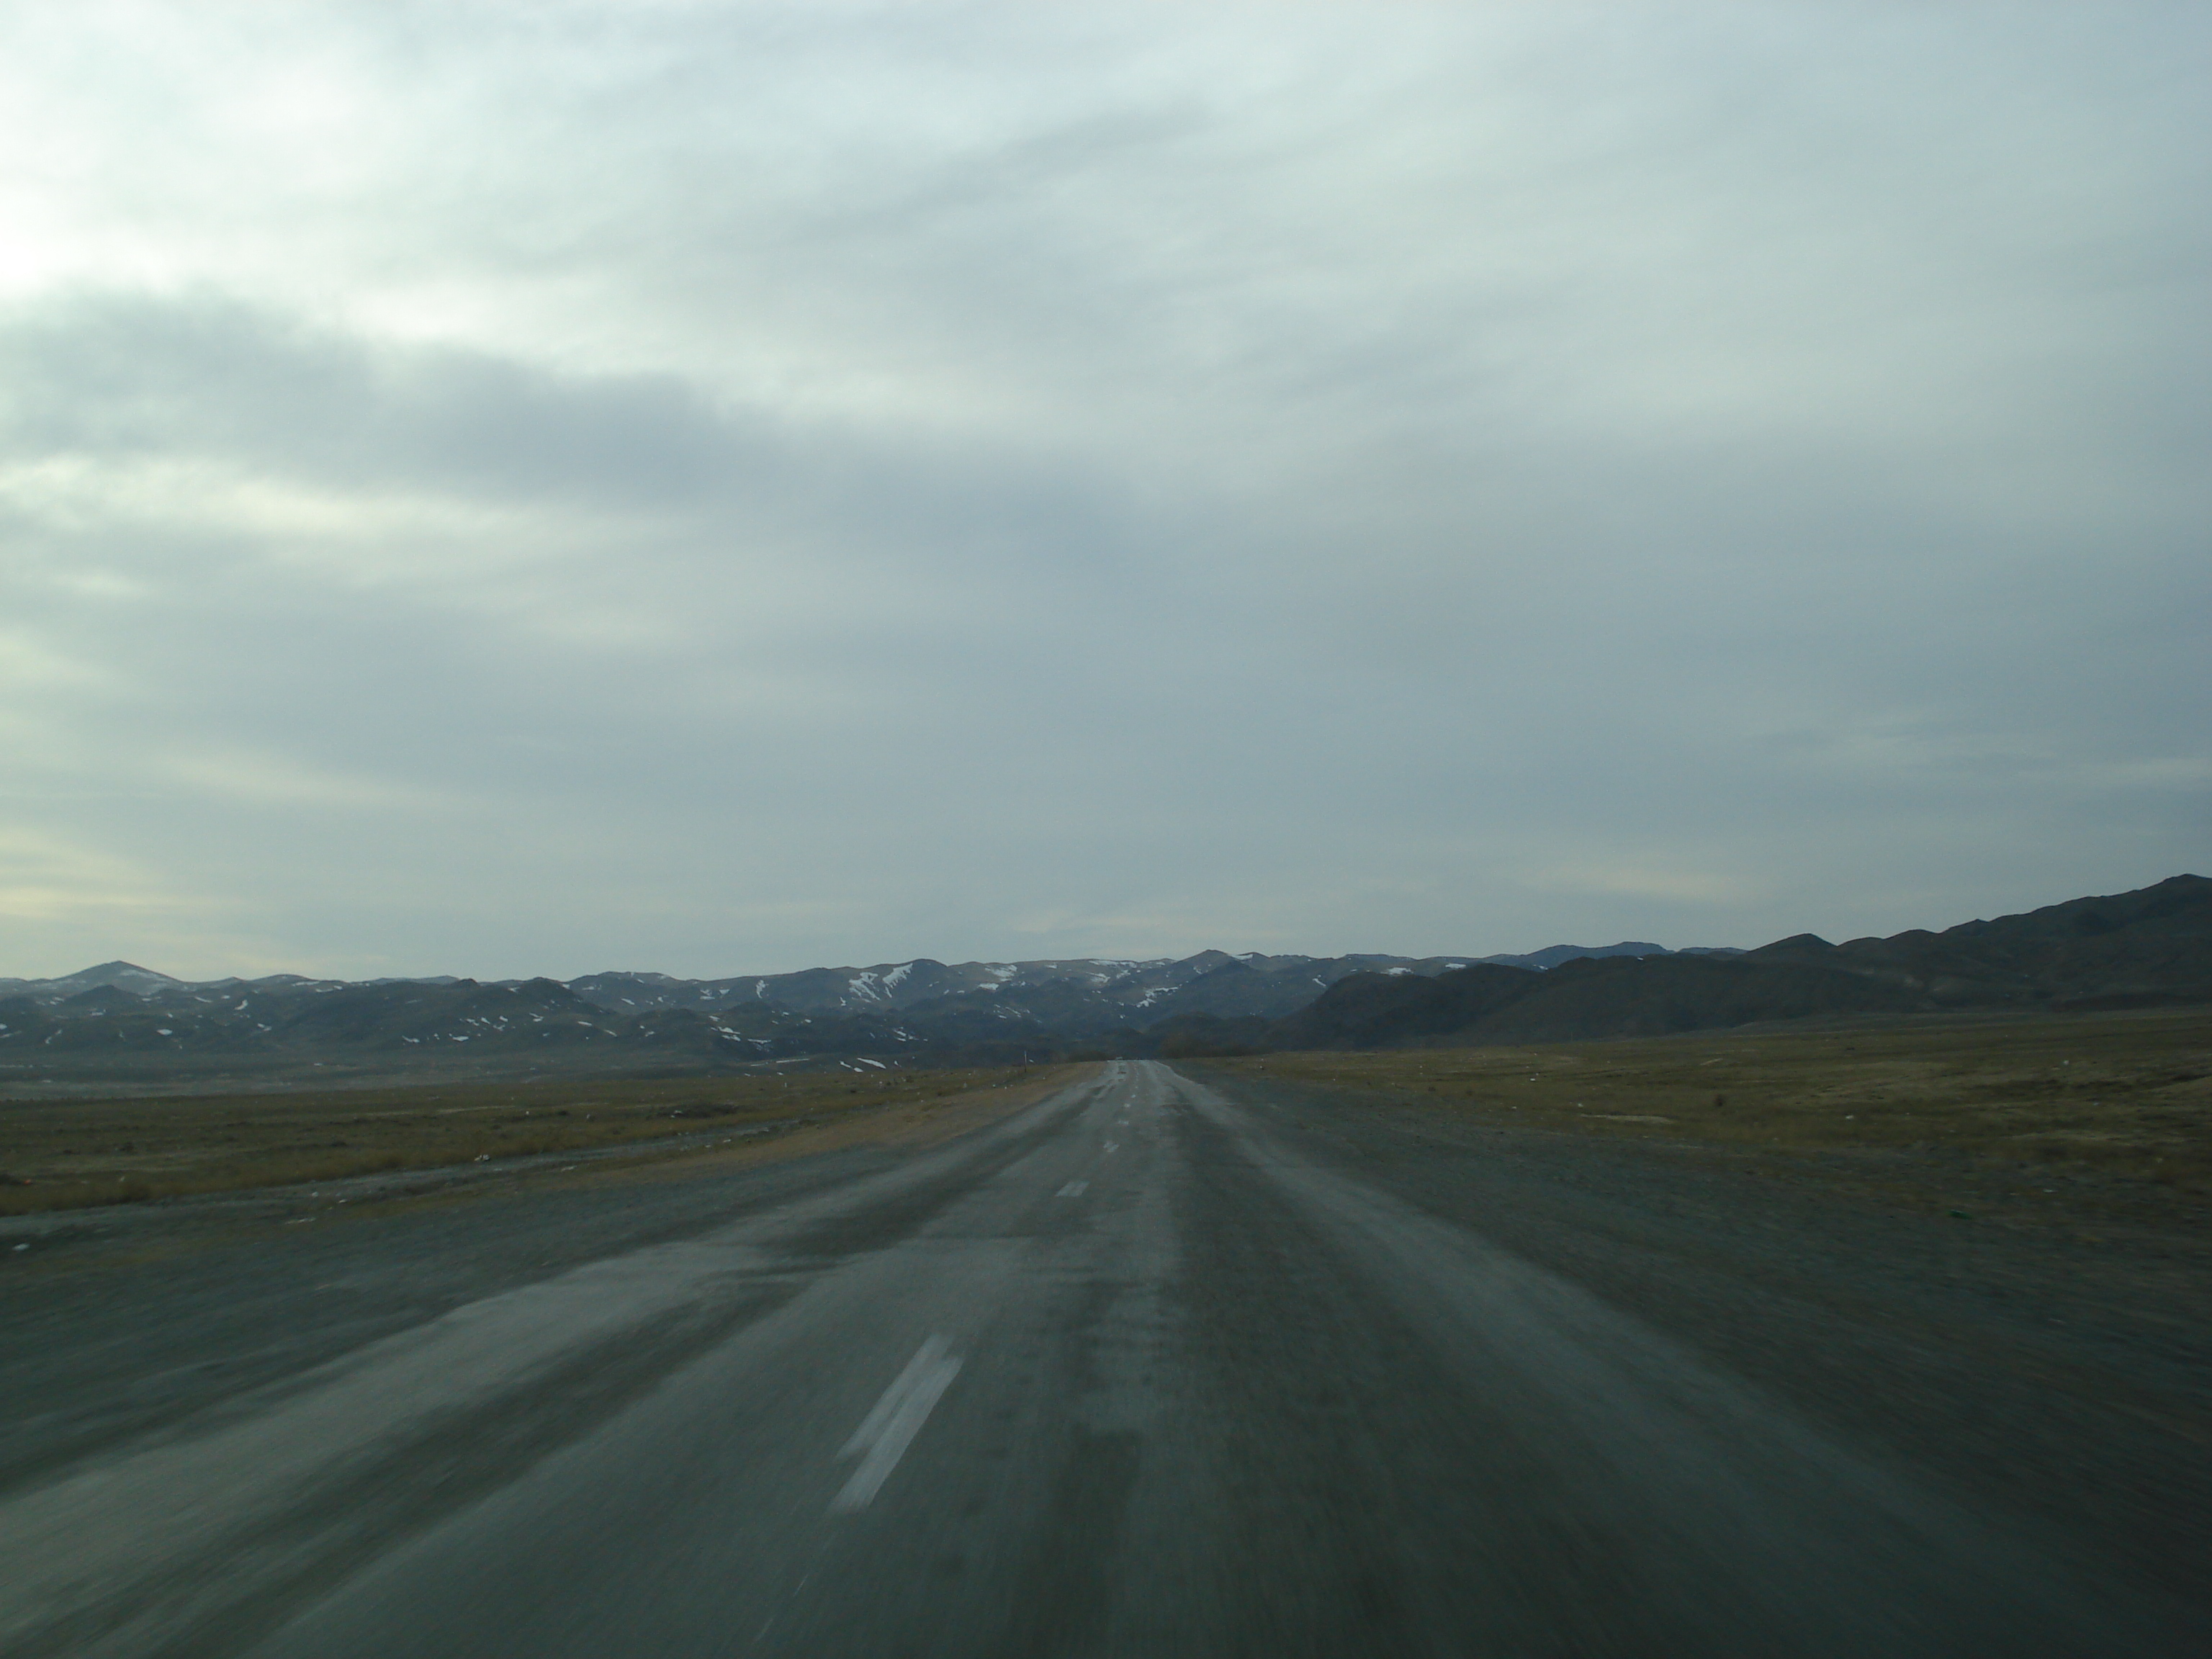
[{"x": 1137, "y": 1371}]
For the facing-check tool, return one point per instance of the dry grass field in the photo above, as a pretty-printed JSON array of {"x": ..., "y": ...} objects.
[
  {"x": 2126, "y": 1094},
  {"x": 66, "y": 1155}
]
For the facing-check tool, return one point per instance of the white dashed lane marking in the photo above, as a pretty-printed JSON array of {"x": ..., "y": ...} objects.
[
  {"x": 886, "y": 1431},
  {"x": 1073, "y": 1190}
]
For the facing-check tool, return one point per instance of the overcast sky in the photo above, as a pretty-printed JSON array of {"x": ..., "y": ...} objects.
[{"x": 534, "y": 488}]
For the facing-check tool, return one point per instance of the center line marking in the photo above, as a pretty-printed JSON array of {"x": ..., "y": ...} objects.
[
  {"x": 891, "y": 1427},
  {"x": 1073, "y": 1190}
]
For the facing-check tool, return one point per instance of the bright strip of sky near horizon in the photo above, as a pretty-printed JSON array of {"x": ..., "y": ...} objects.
[{"x": 513, "y": 488}]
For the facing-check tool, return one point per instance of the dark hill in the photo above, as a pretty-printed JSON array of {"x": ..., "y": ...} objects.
[
  {"x": 1659, "y": 996},
  {"x": 1371, "y": 1011},
  {"x": 2128, "y": 950},
  {"x": 1553, "y": 955}
]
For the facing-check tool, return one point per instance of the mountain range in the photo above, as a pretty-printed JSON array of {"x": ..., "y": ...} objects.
[
  {"x": 974, "y": 1011},
  {"x": 2143, "y": 949},
  {"x": 2151, "y": 946}
]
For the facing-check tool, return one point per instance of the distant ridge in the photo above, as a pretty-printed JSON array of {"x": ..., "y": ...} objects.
[
  {"x": 133, "y": 1020},
  {"x": 2127, "y": 950},
  {"x": 114, "y": 975},
  {"x": 1107, "y": 992},
  {"x": 2143, "y": 949}
]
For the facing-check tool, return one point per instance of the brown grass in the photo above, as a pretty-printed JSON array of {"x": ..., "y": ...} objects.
[
  {"x": 66, "y": 1155},
  {"x": 914, "y": 1122},
  {"x": 2125, "y": 1094}
]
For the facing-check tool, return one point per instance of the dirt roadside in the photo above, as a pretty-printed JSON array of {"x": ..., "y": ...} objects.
[{"x": 119, "y": 1234}]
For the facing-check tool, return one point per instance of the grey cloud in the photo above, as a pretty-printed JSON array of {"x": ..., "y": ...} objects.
[
  {"x": 986, "y": 481},
  {"x": 127, "y": 375},
  {"x": 210, "y": 379}
]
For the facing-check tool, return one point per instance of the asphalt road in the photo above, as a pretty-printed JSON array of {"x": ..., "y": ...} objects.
[{"x": 1137, "y": 1371}]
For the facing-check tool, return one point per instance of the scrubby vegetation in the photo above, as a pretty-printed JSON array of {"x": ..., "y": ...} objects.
[
  {"x": 2124, "y": 1093},
  {"x": 62, "y": 1155}
]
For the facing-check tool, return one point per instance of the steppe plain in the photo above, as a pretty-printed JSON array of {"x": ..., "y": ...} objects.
[{"x": 1260, "y": 1343}]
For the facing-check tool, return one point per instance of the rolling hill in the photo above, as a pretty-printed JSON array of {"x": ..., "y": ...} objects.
[{"x": 129, "y": 1024}]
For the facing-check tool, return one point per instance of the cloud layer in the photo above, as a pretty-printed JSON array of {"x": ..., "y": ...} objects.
[{"x": 507, "y": 489}]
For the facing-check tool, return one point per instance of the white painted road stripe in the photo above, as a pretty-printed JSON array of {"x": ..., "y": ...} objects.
[
  {"x": 1073, "y": 1190},
  {"x": 891, "y": 1427}
]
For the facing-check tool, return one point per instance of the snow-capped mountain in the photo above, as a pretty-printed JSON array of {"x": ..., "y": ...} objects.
[{"x": 132, "y": 1016}]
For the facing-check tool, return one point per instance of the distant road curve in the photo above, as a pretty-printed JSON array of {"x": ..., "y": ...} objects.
[{"x": 1130, "y": 1373}]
